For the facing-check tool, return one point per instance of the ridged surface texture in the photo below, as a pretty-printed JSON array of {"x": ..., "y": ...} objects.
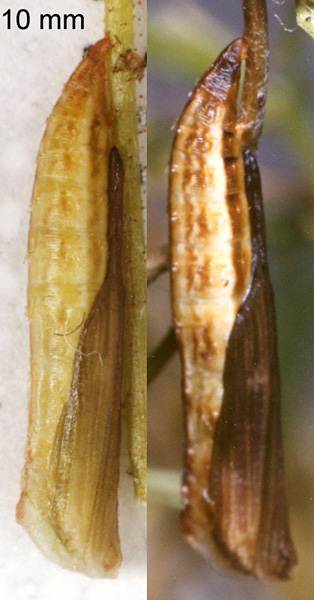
[
  {"x": 215, "y": 244},
  {"x": 75, "y": 305}
]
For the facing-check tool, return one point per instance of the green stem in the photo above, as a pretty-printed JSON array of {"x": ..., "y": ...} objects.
[{"x": 120, "y": 20}]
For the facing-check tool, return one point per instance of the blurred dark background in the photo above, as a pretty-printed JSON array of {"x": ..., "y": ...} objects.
[{"x": 184, "y": 38}]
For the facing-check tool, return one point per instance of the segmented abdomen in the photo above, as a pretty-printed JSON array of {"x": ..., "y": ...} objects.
[
  {"x": 210, "y": 262},
  {"x": 223, "y": 308},
  {"x": 76, "y": 306}
]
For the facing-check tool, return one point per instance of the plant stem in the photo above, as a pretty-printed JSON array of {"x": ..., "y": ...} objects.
[
  {"x": 256, "y": 73},
  {"x": 120, "y": 20}
]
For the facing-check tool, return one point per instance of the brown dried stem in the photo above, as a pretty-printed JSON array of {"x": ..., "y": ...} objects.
[{"x": 256, "y": 73}]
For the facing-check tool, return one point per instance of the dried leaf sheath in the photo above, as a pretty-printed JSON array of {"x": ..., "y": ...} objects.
[
  {"x": 233, "y": 449},
  {"x": 246, "y": 488},
  {"x": 69, "y": 260}
]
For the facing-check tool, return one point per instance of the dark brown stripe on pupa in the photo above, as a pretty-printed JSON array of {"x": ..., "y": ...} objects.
[{"x": 251, "y": 524}]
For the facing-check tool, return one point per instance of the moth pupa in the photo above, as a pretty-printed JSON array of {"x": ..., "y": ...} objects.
[
  {"x": 76, "y": 299},
  {"x": 223, "y": 309}
]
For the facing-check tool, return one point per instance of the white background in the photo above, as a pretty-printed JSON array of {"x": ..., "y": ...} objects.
[{"x": 34, "y": 65}]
